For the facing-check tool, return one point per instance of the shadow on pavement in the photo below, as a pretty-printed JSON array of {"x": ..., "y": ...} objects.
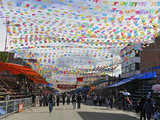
[
  {"x": 104, "y": 116},
  {"x": 102, "y": 108}
]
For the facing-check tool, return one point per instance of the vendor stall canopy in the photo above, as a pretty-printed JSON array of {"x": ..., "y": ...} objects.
[{"x": 73, "y": 36}]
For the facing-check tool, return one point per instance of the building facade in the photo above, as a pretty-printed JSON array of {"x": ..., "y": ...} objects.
[
  {"x": 139, "y": 60},
  {"x": 6, "y": 56},
  {"x": 150, "y": 57},
  {"x": 130, "y": 61}
]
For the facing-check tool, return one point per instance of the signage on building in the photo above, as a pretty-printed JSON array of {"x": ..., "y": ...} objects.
[
  {"x": 66, "y": 86},
  {"x": 31, "y": 60}
]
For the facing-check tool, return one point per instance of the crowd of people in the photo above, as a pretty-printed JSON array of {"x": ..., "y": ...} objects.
[
  {"x": 101, "y": 100},
  {"x": 55, "y": 100},
  {"x": 146, "y": 107}
]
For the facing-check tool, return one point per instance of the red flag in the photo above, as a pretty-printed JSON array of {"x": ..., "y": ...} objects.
[
  {"x": 80, "y": 79},
  {"x": 96, "y": 1}
]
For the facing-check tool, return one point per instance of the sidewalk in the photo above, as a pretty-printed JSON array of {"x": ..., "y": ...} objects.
[
  {"x": 67, "y": 113},
  {"x": 41, "y": 113}
]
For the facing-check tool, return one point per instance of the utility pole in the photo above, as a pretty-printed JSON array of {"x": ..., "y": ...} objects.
[{"x": 7, "y": 23}]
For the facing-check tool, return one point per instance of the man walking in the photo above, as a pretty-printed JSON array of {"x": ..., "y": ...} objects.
[
  {"x": 57, "y": 100},
  {"x": 79, "y": 98},
  {"x": 148, "y": 107},
  {"x": 141, "y": 109},
  {"x": 63, "y": 99},
  {"x": 74, "y": 101}
]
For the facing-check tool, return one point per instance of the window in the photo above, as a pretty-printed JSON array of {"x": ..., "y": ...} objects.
[
  {"x": 137, "y": 66},
  {"x": 133, "y": 53},
  {"x": 137, "y": 53},
  {"x": 130, "y": 69},
  {"x": 127, "y": 69},
  {"x": 123, "y": 70},
  {"x": 133, "y": 67}
]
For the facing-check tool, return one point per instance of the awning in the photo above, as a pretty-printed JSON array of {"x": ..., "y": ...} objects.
[
  {"x": 154, "y": 68},
  {"x": 17, "y": 69},
  {"x": 100, "y": 82},
  {"x": 25, "y": 70},
  {"x": 140, "y": 76}
]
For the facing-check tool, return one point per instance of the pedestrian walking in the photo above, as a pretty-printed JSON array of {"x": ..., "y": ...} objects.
[
  {"x": 148, "y": 107},
  {"x": 40, "y": 100},
  {"x": 63, "y": 99},
  {"x": 33, "y": 100},
  {"x": 74, "y": 101},
  {"x": 128, "y": 103},
  {"x": 107, "y": 101},
  {"x": 37, "y": 99},
  {"x": 57, "y": 100},
  {"x": 68, "y": 99},
  {"x": 103, "y": 100},
  {"x": 84, "y": 98},
  {"x": 95, "y": 100},
  {"x": 51, "y": 101},
  {"x": 100, "y": 100},
  {"x": 79, "y": 98},
  {"x": 45, "y": 100},
  {"x": 141, "y": 109},
  {"x": 137, "y": 107},
  {"x": 156, "y": 114},
  {"x": 111, "y": 102}
]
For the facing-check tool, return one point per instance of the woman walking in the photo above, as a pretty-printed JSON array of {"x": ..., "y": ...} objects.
[{"x": 50, "y": 100}]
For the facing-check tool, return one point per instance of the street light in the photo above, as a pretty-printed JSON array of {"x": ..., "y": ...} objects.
[{"x": 7, "y": 25}]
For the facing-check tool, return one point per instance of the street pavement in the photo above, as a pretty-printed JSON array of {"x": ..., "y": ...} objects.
[{"x": 67, "y": 113}]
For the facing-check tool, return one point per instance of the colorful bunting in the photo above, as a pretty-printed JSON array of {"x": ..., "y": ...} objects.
[{"x": 90, "y": 28}]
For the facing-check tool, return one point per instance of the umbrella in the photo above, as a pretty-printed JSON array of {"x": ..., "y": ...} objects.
[
  {"x": 126, "y": 93},
  {"x": 156, "y": 87}
]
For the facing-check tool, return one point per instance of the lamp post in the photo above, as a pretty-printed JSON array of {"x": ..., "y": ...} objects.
[
  {"x": 112, "y": 67},
  {"x": 7, "y": 23}
]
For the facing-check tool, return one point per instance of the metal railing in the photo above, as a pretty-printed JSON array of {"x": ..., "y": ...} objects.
[{"x": 12, "y": 106}]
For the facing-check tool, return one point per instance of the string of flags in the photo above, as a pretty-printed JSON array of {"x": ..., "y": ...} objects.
[{"x": 66, "y": 25}]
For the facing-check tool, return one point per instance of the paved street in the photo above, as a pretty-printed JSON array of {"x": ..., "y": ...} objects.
[{"x": 66, "y": 113}]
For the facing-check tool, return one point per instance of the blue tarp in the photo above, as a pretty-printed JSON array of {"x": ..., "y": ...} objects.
[
  {"x": 81, "y": 90},
  {"x": 100, "y": 82},
  {"x": 50, "y": 85},
  {"x": 154, "y": 68},
  {"x": 140, "y": 76}
]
